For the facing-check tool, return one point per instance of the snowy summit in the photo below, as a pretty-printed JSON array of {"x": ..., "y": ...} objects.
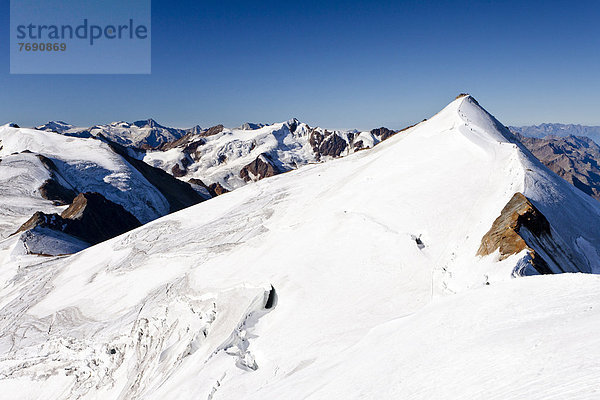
[{"x": 411, "y": 270}]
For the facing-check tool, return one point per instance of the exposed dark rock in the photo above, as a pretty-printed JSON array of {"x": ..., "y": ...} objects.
[
  {"x": 217, "y": 189},
  {"x": 213, "y": 130},
  {"x": 359, "y": 145},
  {"x": 214, "y": 189},
  {"x": 192, "y": 148},
  {"x": 261, "y": 167},
  {"x": 52, "y": 221},
  {"x": 12, "y": 125},
  {"x": 51, "y": 189},
  {"x": 327, "y": 144},
  {"x": 191, "y": 142},
  {"x": 178, "y": 172},
  {"x": 293, "y": 124},
  {"x": 199, "y": 182},
  {"x": 179, "y": 194},
  {"x": 271, "y": 299},
  {"x": 383, "y": 133},
  {"x": 90, "y": 217}
]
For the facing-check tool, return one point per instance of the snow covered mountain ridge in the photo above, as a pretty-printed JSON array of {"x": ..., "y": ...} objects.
[
  {"x": 336, "y": 280},
  {"x": 221, "y": 159},
  {"x": 145, "y": 134},
  {"x": 230, "y": 158}
]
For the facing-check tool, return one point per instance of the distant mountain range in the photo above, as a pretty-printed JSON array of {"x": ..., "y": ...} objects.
[
  {"x": 571, "y": 151},
  {"x": 145, "y": 134},
  {"x": 559, "y": 130},
  {"x": 574, "y": 158}
]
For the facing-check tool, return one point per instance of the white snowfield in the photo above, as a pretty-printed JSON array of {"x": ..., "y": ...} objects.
[
  {"x": 21, "y": 176},
  {"x": 311, "y": 284},
  {"x": 224, "y": 154},
  {"x": 84, "y": 165}
]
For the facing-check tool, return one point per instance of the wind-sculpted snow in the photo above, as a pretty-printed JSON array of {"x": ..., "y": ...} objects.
[
  {"x": 85, "y": 165},
  {"x": 142, "y": 346},
  {"x": 336, "y": 280},
  {"x": 21, "y": 176}
]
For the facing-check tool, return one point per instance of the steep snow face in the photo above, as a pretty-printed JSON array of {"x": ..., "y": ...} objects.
[
  {"x": 318, "y": 284},
  {"x": 21, "y": 176},
  {"x": 83, "y": 165},
  {"x": 219, "y": 158}
]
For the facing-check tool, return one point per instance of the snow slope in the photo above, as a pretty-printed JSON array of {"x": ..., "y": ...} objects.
[
  {"x": 312, "y": 284},
  {"x": 21, "y": 175},
  {"x": 84, "y": 165}
]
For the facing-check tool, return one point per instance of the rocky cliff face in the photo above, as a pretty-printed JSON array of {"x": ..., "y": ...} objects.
[
  {"x": 91, "y": 218},
  {"x": 262, "y": 167},
  {"x": 521, "y": 226}
]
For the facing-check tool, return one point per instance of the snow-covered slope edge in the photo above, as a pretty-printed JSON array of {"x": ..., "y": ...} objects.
[
  {"x": 44, "y": 172},
  {"x": 313, "y": 284}
]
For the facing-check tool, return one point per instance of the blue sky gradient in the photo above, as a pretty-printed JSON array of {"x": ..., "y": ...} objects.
[{"x": 352, "y": 64}]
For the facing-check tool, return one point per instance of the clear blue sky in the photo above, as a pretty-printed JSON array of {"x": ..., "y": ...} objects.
[{"x": 352, "y": 64}]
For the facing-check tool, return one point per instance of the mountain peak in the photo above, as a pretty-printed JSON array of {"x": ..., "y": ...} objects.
[{"x": 150, "y": 123}]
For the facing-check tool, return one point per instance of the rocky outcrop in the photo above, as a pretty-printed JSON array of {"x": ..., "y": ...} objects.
[
  {"x": 180, "y": 169},
  {"x": 51, "y": 189},
  {"x": 521, "y": 226},
  {"x": 504, "y": 234},
  {"x": 217, "y": 189},
  {"x": 261, "y": 167},
  {"x": 91, "y": 218},
  {"x": 327, "y": 143},
  {"x": 383, "y": 133},
  {"x": 213, "y": 130},
  {"x": 214, "y": 189}
]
